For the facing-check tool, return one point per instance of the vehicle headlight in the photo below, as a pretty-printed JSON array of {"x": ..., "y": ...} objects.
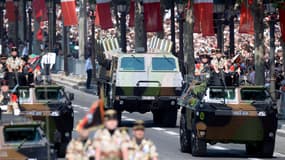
[
  {"x": 261, "y": 113},
  {"x": 54, "y": 114}
]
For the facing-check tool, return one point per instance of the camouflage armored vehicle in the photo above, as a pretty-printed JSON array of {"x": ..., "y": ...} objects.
[
  {"x": 231, "y": 114},
  {"x": 51, "y": 105},
  {"x": 21, "y": 139},
  {"x": 143, "y": 83}
]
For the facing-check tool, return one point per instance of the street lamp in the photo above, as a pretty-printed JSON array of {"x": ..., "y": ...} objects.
[
  {"x": 123, "y": 8},
  {"x": 181, "y": 9},
  {"x": 271, "y": 12},
  {"x": 219, "y": 8},
  {"x": 16, "y": 3},
  {"x": 2, "y": 3},
  {"x": 30, "y": 26}
]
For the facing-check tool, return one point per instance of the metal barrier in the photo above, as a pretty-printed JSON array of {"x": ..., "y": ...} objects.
[{"x": 75, "y": 66}]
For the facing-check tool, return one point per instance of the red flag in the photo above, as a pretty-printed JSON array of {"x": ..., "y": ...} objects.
[
  {"x": 40, "y": 10},
  {"x": 152, "y": 16},
  {"x": 68, "y": 8},
  {"x": 40, "y": 34},
  {"x": 103, "y": 14},
  {"x": 282, "y": 20},
  {"x": 204, "y": 20},
  {"x": 132, "y": 14},
  {"x": 246, "y": 19},
  {"x": 10, "y": 10}
]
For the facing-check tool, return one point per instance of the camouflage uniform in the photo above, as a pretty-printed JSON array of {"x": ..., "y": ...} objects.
[
  {"x": 219, "y": 63},
  {"x": 77, "y": 150},
  {"x": 14, "y": 64},
  {"x": 144, "y": 151},
  {"x": 110, "y": 145}
]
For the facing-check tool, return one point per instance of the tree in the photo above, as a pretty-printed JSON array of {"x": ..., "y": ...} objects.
[
  {"x": 189, "y": 60},
  {"x": 257, "y": 11}
]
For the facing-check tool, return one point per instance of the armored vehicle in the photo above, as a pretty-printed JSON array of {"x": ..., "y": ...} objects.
[
  {"x": 143, "y": 83},
  {"x": 51, "y": 105},
  {"x": 227, "y": 114},
  {"x": 21, "y": 139}
]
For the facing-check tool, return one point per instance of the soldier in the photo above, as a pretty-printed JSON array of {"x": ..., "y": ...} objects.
[
  {"x": 219, "y": 63},
  {"x": 4, "y": 93},
  {"x": 141, "y": 148},
  {"x": 15, "y": 66},
  {"x": 80, "y": 148},
  {"x": 202, "y": 69},
  {"x": 110, "y": 143}
]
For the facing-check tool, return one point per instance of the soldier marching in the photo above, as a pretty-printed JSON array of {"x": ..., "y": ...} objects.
[{"x": 112, "y": 143}]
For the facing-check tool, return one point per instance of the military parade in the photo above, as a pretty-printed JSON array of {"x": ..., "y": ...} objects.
[{"x": 142, "y": 79}]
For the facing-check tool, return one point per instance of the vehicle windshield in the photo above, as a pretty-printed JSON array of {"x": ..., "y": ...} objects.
[
  {"x": 48, "y": 94},
  {"x": 163, "y": 64},
  {"x": 21, "y": 134},
  {"x": 219, "y": 93},
  {"x": 132, "y": 64},
  {"x": 248, "y": 94}
]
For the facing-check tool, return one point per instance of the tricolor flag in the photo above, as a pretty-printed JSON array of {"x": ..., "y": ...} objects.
[
  {"x": 152, "y": 16},
  {"x": 40, "y": 10},
  {"x": 132, "y": 14},
  {"x": 10, "y": 10},
  {"x": 246, "y": 19},
  {"x": 282, "y": 20},
  {"x": 103, "y": 14},
  {"x": 68, "y": 8},
  {"x": 93, "y": 118},
  {"x": 204, "y": 18}
]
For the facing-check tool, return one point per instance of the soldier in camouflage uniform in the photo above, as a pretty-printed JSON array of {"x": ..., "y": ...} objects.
[
  {"x": 141, "y": 148},
  {"x": 110, "y": 142},
  {"x": 219, "y": 63},
  {"x": 14, "y": 65},
  {"x": 80, "y": 148},
  {"x": 202, "y": 69}
]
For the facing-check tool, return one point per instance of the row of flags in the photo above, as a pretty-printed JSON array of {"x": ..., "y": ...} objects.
[{"x": 203, "y": 13}]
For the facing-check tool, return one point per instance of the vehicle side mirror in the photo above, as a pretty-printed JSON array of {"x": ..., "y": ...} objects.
[{"x": 71, "y": 96}]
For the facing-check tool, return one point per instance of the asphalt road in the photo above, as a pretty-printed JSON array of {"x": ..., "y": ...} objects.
[{"x": 167, "y": 139}]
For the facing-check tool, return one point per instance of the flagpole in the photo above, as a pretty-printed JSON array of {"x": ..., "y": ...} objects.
[
  {"x": 172, "y": 28},
  {"x": 30, "y": 27},
  {"x": 16, "y": 3},
  {"x": 1, "y": 25}
]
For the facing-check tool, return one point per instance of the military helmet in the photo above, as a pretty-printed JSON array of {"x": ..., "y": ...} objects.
[
  {"x": 139, "y": 125},
  {"x": 110, "y": 115}
]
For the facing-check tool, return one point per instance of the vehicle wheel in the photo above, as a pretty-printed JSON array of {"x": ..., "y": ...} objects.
[
  {"x": 62, "y": 150},
  {"x": 251, "y": 149},
  {"x": 185, "y": 135},
  {"x": 169, "y": 117},
  {"x": 199, "y": 147},
  {"x": 157, "y": 117},
  {"x": 262, "y": 149},
  {"x": 267, "y": 148}
]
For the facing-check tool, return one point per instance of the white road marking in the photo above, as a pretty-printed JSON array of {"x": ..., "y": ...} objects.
[
  {"x": 75, "y": 111},
  {"x": 158, "y": 129},
  {"x": 80, "y": 107},
  {"x": 172, "y": 133},
  {"x": 254, "y": 159},
  {"x": 276, "y": 154}
]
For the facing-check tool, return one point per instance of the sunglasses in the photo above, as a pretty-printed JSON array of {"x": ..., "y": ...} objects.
[{"x": 14, "y": 49}]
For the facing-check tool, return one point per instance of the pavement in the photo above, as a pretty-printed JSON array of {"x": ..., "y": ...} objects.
[
  {"x": 78, "y": 82},
  {"x": 74, "y": 81},
  {"x": 167, "y": 139}
]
